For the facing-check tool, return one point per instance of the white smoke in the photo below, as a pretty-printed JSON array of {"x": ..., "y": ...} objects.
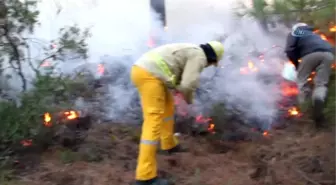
[{"x": 120, "y": 31}]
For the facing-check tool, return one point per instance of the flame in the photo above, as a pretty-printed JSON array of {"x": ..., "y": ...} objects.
[
  {"x": 293, "y": 111},
  {"x": 47, "y": 119},
  {"x": 289, "y": 90},
  {"x": 250, "y": 68},
  {"x": 101, "y": 69},
  {"x": 332, "y": 29},
  {"x": 26, "y": 142},
  {"x": 265, "y": 133},
  {"x": 211, "y": 127},
  {"x": 70, "y": 115},
  {"x": 323, "y": 37}
]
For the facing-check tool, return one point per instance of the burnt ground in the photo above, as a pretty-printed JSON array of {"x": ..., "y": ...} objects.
[{"x": 296, "y": 155}]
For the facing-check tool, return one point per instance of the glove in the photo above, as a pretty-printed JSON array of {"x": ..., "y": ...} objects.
[{"x": 289, "y": 72}]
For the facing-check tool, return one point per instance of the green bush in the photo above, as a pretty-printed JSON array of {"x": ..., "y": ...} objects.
[{"x": 23, "y": 124}]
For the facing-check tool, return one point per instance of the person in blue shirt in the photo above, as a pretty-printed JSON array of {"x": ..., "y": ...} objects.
[{"x": 314, "y": 54}]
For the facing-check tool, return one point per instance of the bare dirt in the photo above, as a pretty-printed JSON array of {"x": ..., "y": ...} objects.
[{"x": 297, "y": 155}]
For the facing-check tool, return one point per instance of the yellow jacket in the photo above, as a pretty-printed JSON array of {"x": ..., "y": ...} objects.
[{"x": 185, "y": 61}]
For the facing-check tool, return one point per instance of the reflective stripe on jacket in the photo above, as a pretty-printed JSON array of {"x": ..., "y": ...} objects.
[{"x": 185, "y": 62}]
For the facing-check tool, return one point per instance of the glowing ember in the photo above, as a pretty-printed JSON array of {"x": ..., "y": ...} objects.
[
  {"x": 47, "y": 120},
  {"x": 323, "y": 37},
  {"x": 250, "y": 68},
  {"x": 293, "y": 111},
  {"x": 289, "y": 90},
  {"x": 211, "y": 128},
  {"x": 332, "y": 29},
  {"x": 26, "y": 142},
  {"x": 70, "y": 115}
]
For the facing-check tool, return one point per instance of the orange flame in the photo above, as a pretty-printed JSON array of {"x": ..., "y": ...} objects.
[
  {"x": 288, "y": 90},
  {"x": 70, "y": 115},
  {"x": 293, "y": 111},
  {"x": 211, "y": 127},
  {"x": 47, "y": 119},
  {"x": 323, "y": 37},
  {"x": 249, "y": 68},
  {"x": 265, "y": 133},
  {"x": 332, "y": 29}
]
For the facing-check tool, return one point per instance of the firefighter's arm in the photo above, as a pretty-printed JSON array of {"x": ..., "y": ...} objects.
[{"x": 190, "y": 78}]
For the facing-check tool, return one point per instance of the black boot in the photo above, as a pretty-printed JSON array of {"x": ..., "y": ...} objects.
[
  {"x": 176, "y": 149},
  {"x": 318, "y": 116},
  {"x": 155, "y": 181}
]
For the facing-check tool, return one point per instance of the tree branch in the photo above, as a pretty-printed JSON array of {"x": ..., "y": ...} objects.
[{"x": 16, "y": 57}]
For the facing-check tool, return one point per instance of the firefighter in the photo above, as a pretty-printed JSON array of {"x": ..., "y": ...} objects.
[
  {"x": 172, "y": 67},
  {"x": 316, "y": 55}
]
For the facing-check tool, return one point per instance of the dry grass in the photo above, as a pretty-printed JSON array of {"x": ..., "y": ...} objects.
[{"x": 295, "y": 156}]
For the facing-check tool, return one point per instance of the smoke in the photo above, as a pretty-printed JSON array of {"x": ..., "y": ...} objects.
[{"x": 120, "y": 31}]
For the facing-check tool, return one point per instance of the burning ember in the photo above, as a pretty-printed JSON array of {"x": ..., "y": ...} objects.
[
  {"x": 70, "y": 115},
  {"x": 211, "y": 128},
  {"x": 67, "y": 115},
  {"x": 47, "y": 120},
  {"x": 332, "y": 29},
  {"x": 204, "y": 120},
  {"x": 250, "y": 68},
  {"x": 289, "y": 89},
  {"x": 265, "y": 133},
  {"x": 293, "y": 111}
]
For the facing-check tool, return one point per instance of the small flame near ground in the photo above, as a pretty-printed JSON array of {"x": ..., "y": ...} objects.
[
  {"x": 47, "y": 119},
  {"x": 293, "y": 111},
  {"x": 68, "y": 115},
  {"x": 71, "y": 115}
]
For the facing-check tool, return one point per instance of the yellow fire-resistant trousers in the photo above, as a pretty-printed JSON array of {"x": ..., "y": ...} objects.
[{"x": 158, "y": 127}]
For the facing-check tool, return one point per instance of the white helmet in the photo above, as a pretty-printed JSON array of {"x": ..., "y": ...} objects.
[{"x": 295, "y": 26}]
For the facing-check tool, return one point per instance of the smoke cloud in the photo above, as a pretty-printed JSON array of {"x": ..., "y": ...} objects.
[{"x": 120, "y": 31}]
